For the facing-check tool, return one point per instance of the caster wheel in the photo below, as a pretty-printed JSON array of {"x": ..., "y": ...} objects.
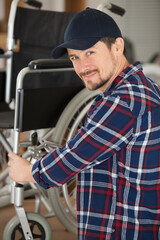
[{"x": 39, "y": 226}]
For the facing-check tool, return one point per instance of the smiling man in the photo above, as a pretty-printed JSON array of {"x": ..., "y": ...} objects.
[
  {"x": 116, "y": 155},
  {"x": 89, "y": 64}
]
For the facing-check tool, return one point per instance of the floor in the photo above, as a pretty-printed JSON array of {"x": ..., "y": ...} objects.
[{"x": 58, "y": 231}]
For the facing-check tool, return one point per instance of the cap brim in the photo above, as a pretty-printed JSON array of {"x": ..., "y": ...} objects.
[{"x": 78, "y": 44}]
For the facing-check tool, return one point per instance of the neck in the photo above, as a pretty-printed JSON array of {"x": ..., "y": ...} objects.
[{"x": 123, "y": 64}]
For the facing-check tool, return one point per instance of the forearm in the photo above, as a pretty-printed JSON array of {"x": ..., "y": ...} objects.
[{"x": 29, "y": 177}]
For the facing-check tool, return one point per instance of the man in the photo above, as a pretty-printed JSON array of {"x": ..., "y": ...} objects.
[{"x": 116, "y": 155}]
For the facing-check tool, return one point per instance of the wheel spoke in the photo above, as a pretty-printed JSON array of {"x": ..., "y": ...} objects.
[
  {"x": 37, "y": 236},
  {"x": 40, "y": 235},
  {"x": 20, "y": 231}
]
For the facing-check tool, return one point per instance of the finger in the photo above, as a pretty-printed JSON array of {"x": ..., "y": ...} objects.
[
  {"x": 10, "y": 163},
  {"x": 13, "y": 156}
]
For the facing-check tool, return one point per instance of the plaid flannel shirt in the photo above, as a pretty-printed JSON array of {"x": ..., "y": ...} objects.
[{"x": 117, "y": 158}]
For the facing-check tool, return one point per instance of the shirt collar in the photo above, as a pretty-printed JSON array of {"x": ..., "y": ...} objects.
[{"x": 128, "y": 71}]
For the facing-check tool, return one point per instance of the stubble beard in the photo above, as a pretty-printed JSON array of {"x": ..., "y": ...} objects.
[{"x": 97, "y": 85}]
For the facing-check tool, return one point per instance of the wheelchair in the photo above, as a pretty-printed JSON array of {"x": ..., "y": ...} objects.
[
  {"x": 50, "y": 105},
  {"x": 49, "y": 98},
  {"x": 63, "y": 200},
  {"x": 26, "y": 40}
]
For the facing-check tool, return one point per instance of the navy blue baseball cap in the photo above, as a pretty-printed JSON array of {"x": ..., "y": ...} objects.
[{"x": 85, "y": 29}]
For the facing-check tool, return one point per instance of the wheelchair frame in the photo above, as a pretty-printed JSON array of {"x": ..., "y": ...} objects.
[
  {"x": 85, "y": 98},
  {"x": 9, "y": 119}
]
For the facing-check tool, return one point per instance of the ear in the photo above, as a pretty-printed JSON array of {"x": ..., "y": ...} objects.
[{"x": 119, "y": 46}]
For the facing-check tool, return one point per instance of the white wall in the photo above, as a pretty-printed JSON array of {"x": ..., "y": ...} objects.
[
  {"x": 56, "y": 5},
  {"x": 140, "y": 24}
]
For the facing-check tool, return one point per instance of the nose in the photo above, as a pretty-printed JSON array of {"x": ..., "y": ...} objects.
[{"x": 83, "y": 65}]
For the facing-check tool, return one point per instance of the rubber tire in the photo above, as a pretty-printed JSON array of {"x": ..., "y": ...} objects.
[{"x": 14, "y": 222}]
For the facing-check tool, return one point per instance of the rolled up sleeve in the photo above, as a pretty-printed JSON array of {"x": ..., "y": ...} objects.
[{"x": 108, "y": 128}]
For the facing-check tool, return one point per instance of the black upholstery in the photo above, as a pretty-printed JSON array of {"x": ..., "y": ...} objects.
[
  {"x": 38, "y": 32},
  {"x": 43, "y": 96},
  {"x": 41, "y": 106},
  {"x": 2, "y": 85}
]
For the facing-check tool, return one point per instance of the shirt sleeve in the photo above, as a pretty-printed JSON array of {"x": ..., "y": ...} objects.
[{"x": 109, "y": 127}]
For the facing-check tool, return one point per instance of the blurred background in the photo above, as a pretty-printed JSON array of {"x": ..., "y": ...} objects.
[{"x": 139, "y": 25}]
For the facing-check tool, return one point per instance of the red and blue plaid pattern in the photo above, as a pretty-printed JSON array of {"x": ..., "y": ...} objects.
[{"x": 117, "y": 158}]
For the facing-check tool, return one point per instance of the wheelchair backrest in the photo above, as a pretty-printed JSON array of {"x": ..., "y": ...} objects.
[
  {"x": 43, "y": 91},
  {"x": 37, "y": 32}
]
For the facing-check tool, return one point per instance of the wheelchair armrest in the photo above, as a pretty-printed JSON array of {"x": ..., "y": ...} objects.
[{"x": 50, "y": 63}]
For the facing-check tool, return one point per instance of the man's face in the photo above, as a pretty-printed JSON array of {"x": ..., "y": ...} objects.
[{"x": 96, "y": 66}]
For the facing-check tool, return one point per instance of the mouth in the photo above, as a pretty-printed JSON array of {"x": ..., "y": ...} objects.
[{"x": 88, "y": 75}]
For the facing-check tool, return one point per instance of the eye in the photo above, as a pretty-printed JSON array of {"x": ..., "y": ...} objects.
[
  {"x": 72, "y": 58},
  {"x": 89, "y": 53}
]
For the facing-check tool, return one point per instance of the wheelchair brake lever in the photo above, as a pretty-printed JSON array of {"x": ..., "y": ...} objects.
[{"x": 34, "y": 139}]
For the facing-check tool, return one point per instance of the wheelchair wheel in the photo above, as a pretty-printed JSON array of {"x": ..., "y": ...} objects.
[
  {"x": 3, "y": 160},
  {"x": 63, "y": 199},
  {"x": 39, "y": 226},
  {"x": 3, "y": 157}
]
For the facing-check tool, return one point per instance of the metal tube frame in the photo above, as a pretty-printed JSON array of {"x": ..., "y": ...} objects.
[{"x": 17, "y": 194}]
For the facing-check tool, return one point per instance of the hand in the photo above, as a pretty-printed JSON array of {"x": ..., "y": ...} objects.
[{"x": 20, "y": 169}]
